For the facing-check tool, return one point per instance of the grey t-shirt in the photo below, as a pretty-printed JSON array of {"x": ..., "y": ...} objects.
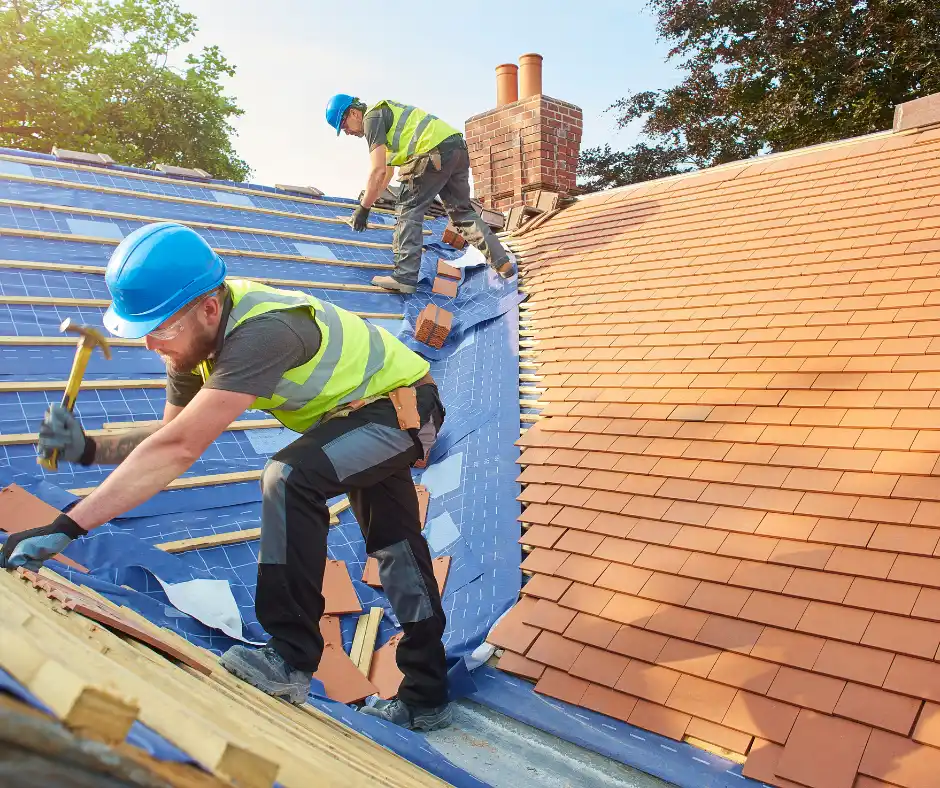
[
  {"x": 375, "y": 126},
  {"x": 254, "y": 357}
]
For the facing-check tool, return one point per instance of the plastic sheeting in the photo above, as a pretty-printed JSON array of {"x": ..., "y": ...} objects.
[{"x": 478, "y": 380}]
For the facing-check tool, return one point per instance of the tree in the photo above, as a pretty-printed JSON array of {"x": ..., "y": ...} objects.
[
  {"x": 602, "y": 168},
  {"x": 92, "y": 75},
  {"x": 764, "y": 76}
]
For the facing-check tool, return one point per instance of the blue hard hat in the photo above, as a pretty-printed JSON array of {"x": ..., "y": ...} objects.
[
  {"x": 155, "y": 272},
  {"x": 336, "y": 108}
]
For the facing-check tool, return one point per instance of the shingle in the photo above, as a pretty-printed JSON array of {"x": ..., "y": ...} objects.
[
  {"x": 600, "y": 666},
  {"x": 807, "y": 689},
  {"x": 755, "y": 418},
  {"x": 580, "y": 568},
  {"x": 512, "y": 632},
  {"x": 823, "y": 752},
  {"x": 577, "y": 596},
  {"x": 738, "y": 670},
  {"x": 788, "y": 648},
  {"x": 774, "y": 609},
  {"x": 835, "y": 621},
  {"x": 558, "y": 684},
  {"x": 666, "y": 722},
  {"x": 881, "y": 595},
  {"x": 882, "y": 709},
  {"x": 688, "y": 657},
  {"x": 520, "y": 666},
  {"x": 548, "y": 615},
  {"x": 554, "y": 650},
  {"x": 729, "y": 633},
  {"x": 904, "y": 635},
  {"x": 604, "y": 700},
  {"x": 592, "y": 630},
  {"x": 760, "y": 716},
  {"x": 855, "y": 663},
  {"x": 546, "y": 587}
]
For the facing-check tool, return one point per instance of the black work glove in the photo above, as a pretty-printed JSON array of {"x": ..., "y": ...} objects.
[
  {"x": 360, "y": 218},
  {"x": 60, "y": 431},
  {"x": 30, "y": 548}
]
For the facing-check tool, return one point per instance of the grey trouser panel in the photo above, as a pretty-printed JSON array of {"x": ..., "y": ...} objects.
[
  {"x": 364, "y": 447},
  {"x": 403, "y": 584},
  {"x": 421, "y": 182},
  {"x": 274, "y": 513}
]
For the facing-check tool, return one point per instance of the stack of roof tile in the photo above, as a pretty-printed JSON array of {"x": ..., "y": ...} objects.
[
  {"x": 733, "y": 517},
  {"x": 433, "y": 325}
]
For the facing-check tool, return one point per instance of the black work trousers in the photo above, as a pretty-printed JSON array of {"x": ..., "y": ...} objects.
[{"x": 367, "y": 456}]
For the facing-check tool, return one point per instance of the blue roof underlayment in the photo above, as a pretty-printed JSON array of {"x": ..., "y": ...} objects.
[{"x": 473, "y": 511}]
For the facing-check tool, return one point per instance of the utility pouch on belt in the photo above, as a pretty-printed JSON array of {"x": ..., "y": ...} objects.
[
  {"x": 415, "y": 168},
  {"x": 405, "y": 400}
]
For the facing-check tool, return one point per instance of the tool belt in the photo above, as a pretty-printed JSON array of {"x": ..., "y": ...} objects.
[{"x": 405, "y": 400}]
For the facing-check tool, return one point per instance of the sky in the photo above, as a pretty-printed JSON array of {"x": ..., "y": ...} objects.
[{"x": 292, "y": 55}]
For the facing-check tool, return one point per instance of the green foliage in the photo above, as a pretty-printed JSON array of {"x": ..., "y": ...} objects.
[
  {"x": 601, "y": 168},
  {"x": 91, "y": 75},
  {"x": 773, "y": 75}
]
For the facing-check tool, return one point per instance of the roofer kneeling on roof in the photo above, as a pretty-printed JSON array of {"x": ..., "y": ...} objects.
[
  {"x": 432, "y": 160},
  {"x": 366, "y": 409}
]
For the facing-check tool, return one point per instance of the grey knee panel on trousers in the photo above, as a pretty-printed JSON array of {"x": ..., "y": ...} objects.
[
  {"x": 365, "y": 447},
  {"x": 403, "y": 584},
  {"x": 274, "y": 512}
]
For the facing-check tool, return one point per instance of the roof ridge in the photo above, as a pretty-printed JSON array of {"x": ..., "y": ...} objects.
[{"x": 760, "y": 158}]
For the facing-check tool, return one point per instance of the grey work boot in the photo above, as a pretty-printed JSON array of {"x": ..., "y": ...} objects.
[
  {"x": 265, "y": 669},
  {"x": 414, "y": 718},
  {"x": 391, "y": 283}
]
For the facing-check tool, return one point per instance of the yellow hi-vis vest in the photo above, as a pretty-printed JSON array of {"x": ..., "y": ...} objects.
[
  {"x": 355, "y": 360},
  {"x": 412, "y": 133}
]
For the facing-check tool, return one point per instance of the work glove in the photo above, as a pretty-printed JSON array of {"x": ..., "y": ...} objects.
[
  {"x": 360, "y": 218},
  {"x": 60, "y": 431},
  {"x": 30, "y": 548}
]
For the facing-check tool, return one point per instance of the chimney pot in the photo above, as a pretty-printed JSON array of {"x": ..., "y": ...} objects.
[
  {"x": 530, "y": 75},
  {"x": 507, "y": 84}
]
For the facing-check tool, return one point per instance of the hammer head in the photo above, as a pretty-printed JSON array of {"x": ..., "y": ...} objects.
[{"x": 89, "y": 336}]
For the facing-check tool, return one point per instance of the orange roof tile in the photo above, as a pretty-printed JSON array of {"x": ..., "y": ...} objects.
[{"x": 730, "y": 502}]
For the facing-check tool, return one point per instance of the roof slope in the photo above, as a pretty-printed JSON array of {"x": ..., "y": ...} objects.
[
  {"x": 733, "y": 522},
  {"x": 60, "y": 222}
]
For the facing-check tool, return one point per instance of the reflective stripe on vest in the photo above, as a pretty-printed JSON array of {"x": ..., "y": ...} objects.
[
  {"x": 413, "y": 132},
  {"x": 355, "y": 360}
]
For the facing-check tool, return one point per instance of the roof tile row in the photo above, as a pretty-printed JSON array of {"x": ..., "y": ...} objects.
[{"x": 733, "y": 528}]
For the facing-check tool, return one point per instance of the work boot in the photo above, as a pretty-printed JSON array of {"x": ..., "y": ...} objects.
[
  {"x": 265, "y": 669},
  {"x": 506, "y": 269},
  {"x": 391, "y": 283},
  {"x": 414, "y": 718}
]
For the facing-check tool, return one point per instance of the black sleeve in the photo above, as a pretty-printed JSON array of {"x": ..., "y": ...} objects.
[
  {"x": 256, "y": 355},
  {"x": 375, "y": 126}
]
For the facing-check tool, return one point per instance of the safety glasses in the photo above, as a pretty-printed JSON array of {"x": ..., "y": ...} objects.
[{"x": 174, "y": 329}]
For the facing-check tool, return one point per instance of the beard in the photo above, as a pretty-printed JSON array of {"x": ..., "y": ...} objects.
[{"x": 184, "y": 362}]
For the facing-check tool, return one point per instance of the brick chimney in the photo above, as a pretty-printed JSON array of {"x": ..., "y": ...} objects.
[{"x": 527, "y": 143}]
